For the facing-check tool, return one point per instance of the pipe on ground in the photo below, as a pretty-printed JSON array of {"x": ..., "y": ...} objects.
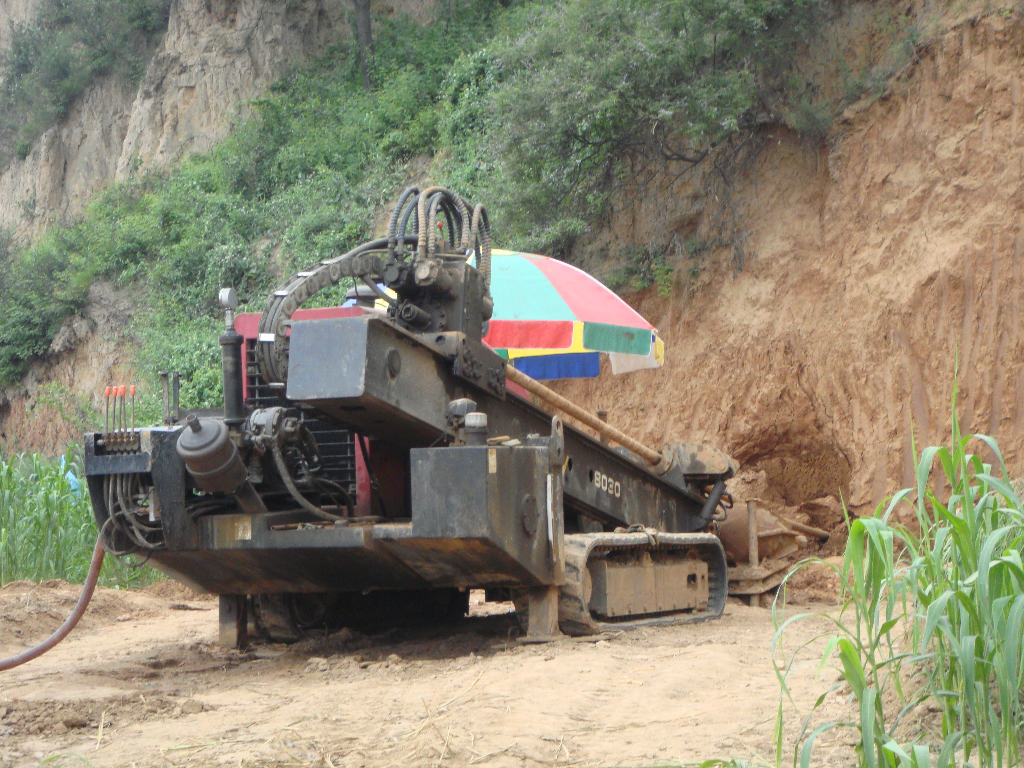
[{"x": 69, "y": 623}]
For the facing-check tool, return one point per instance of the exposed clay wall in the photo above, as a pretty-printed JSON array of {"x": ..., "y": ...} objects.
[{"x": 872, "y": 264}]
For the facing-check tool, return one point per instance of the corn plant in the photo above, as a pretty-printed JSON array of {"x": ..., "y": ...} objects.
[
  {"x": 46, "y": 524},
  {"x": 932, "y": 616}
]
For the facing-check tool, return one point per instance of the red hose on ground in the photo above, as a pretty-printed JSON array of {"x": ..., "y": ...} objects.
[{"x": 69, "y": 623}]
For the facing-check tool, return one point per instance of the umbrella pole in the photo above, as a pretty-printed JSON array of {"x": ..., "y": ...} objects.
[{"x": 603, "y": 428}]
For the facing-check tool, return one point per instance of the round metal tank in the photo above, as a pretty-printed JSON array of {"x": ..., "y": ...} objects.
[{"x": 209, "y": 455}]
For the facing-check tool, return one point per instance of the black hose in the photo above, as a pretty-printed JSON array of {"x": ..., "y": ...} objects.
[
  {"x": 306, "y": 504},
  {"x": 402, "y": 204},
  {"x": 480, "y": 239},
  {"x": 372, "y": 285},
  {"x": 280, "y": 306},
  {"x": 69, "y": 623},
  {"x": 708, "y": 511},
  {"x": 410, "y": 213},
  {"x": 122, "y": 514},
  {"x": 451, "y": 222},
  {"x": 450, "y": 202},
  {"x": 333, "y": 489},
  {"x": 432, "y": 206}
]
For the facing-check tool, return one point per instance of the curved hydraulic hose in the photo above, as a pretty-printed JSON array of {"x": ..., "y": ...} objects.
[
  {"x": 480, "y": 238},
  {"x": 282, "y": 303},
  {"x": 400, "y": 208},
  {"x": 69, "y": 623},
  {"x": 466, "y": 229},
  {"x": 306, "y": 504},
  {"x": 456, "y": 210}
]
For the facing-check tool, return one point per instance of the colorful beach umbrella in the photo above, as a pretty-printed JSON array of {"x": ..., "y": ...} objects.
[{"x": 553, "y": 320}]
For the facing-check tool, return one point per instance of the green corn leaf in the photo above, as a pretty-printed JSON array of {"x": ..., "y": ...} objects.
[
  {"x": 849, "y": 656},
  {"x": 867, "y": 727},
  {"x": 888, "y": 626},
  {"x": 935, "y": 614},
  {"x": 892, "y": 749},
  {"x": 808, "y": 745},
  {"x": 920, "y": 757},
  {"x": 949, "y": 746}
]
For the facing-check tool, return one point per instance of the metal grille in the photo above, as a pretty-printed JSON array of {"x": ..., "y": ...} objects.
[{"x": 337, "y": 446}]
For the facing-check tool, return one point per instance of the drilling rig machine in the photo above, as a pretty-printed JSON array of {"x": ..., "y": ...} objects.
[{"x": 472, "y": 484}]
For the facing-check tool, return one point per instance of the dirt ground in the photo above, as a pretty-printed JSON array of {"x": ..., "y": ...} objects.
[{"x": 141, "y": 682}]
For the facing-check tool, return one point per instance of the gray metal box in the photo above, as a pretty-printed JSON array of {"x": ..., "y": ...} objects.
[{"x": 481, "y": 516}]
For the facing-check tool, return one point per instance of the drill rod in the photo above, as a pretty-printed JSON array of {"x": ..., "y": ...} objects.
[{"x": 553, "y": 398}]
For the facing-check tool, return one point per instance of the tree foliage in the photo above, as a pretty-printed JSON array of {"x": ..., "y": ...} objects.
[{"x": 583, "y": 86}]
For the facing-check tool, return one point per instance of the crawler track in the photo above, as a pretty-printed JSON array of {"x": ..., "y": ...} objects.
[{"x": 575, "y": 616}]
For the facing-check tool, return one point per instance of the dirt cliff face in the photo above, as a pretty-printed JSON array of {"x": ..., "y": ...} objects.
[
  {"x": 61, "y": 395},
  {"x": 216, "y": 55},
  {"x": 68, "y": 163},
  {"x": 873, "y": 264}
]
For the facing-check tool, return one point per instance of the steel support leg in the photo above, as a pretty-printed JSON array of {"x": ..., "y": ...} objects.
[
  {"x": 542, "y": 616},
  {"x": 234, "y": 621}
]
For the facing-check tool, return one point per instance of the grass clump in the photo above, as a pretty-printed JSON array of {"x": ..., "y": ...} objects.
[
  {"x": 932, "y": 618},
  {"x": 47, "y": 529}
]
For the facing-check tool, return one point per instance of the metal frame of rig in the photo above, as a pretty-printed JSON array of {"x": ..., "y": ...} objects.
[{"x": 465, "y": 480}]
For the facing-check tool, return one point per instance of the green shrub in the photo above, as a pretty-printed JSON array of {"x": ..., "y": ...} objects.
[
  {"x": 644, "y": 266},
  {"x": 587, "y": 86}
]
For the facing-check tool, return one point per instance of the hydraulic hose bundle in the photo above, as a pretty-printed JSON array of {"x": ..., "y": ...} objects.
[
  {"x": 467, "y": 232},
  {"x": 130, "y": 522}
]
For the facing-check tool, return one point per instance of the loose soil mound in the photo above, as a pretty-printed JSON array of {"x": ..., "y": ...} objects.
[{"x": 30, "y": 612}]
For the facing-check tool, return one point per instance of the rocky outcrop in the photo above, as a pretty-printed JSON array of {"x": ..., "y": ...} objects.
[
  {"x": 68, "y": 163},
  {"x": 215, "y": 56},
  {"x": 14, "y": 12}
]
